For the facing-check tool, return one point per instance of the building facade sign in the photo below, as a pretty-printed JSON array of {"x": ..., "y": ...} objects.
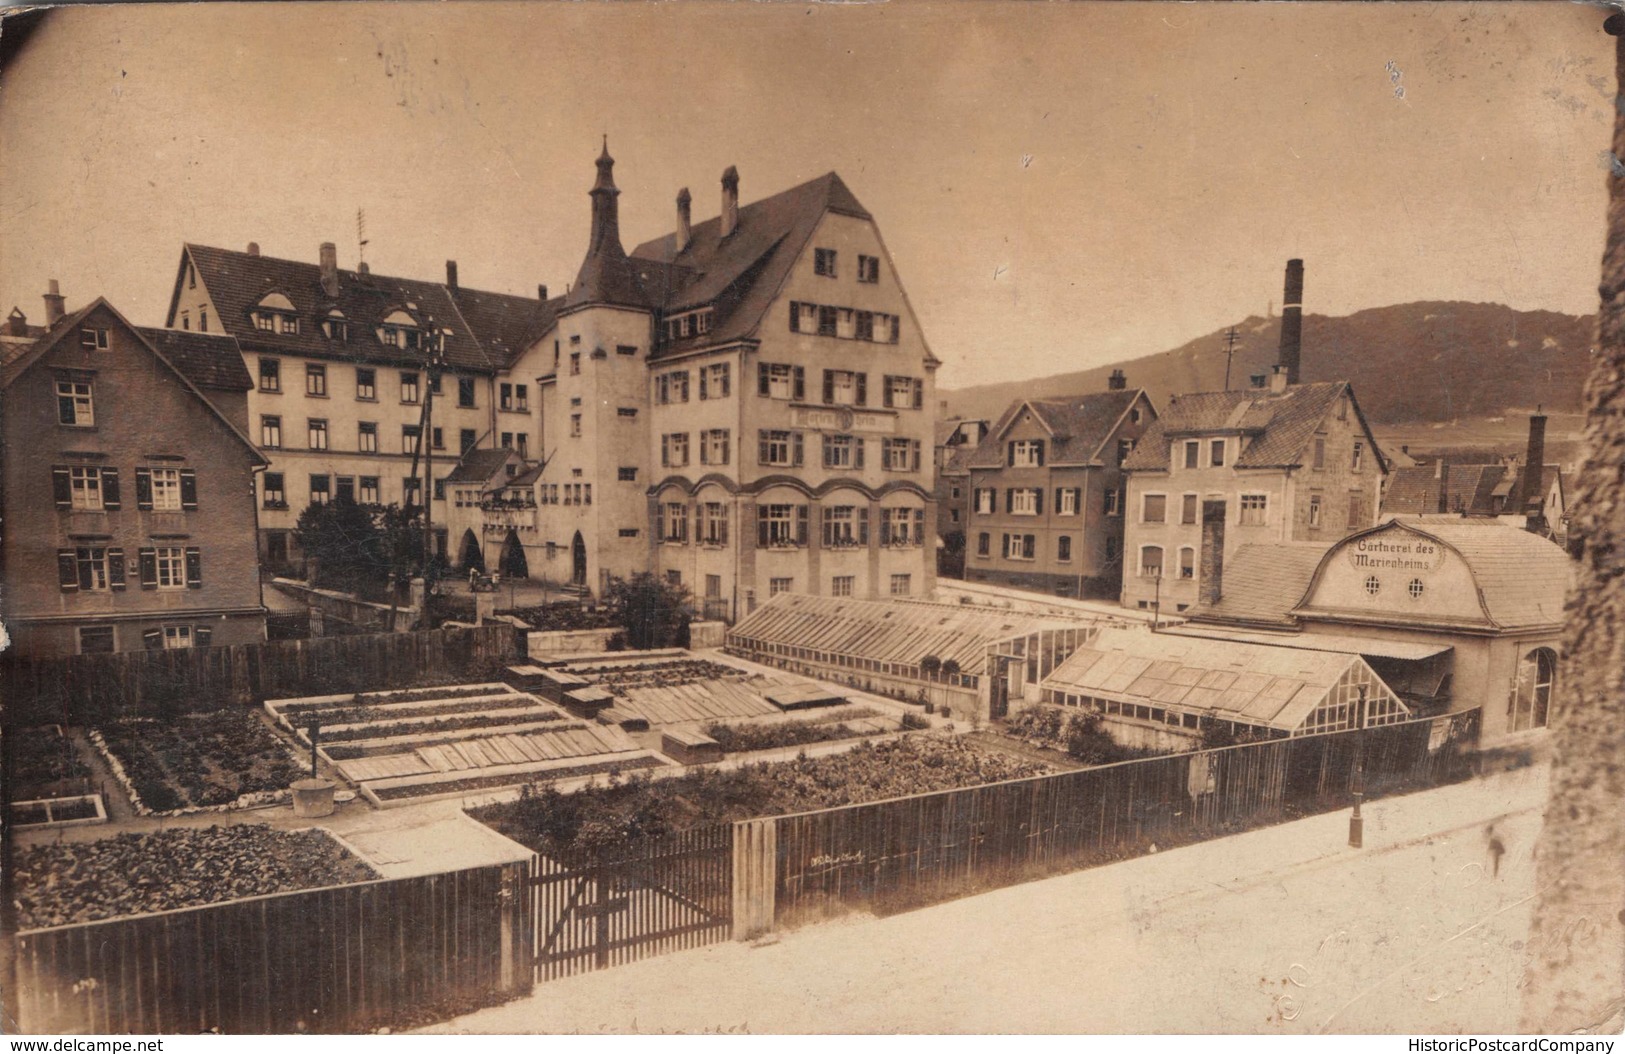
[
  {"x": 843, "y": 419},
  {"x": 1391, "y": 551}
]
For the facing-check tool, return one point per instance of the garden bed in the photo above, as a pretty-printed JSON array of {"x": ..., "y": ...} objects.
[
  {"x": 661, "y": 673},
  {"x": 512, "y": 715},
  {"x": 384, "y": 792},
  {"x": 611, "y": 818},
  {"x": 295, "y": 710},
  {"x": 845, "y": 723},
  {"x": 46, "y": 765},
  {"x": 130, "y": 874},
  {"x": 564, "y": 617},
  {"x": 198, "y": 761},
  {"x": 1073, "y": 732},
  {"x": 366, "y": 748},
  {"x": 74, "y": 811}
]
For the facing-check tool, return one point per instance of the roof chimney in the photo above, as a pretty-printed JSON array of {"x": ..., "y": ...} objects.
[
  {"x": 363, "y": 268},
  {"x": 1443, "y": 475},
  {"x": 253, "y": 248},
  {"x": 17, "y": 323},
  {"x": 730, "y": 201},
  {"x": 541, "y": 293},
  {"x": 330, "y": 269},
  {"x": 54, "y": 309},
  {"x": 1533, "y": 463},
  {"x": 1292, "y": 321},
  {"x": 1280, "y": 377},
  {"x": 1116, "y": 382},
  {"x": 684, "y": 233},
  {"x": 451, "y": 274}
]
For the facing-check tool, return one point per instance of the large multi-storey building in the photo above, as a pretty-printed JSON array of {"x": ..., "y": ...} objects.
[
  {"x": 956, "y": 440},
  {"x": 128, "y": 487},
  {"x": 1046, "y": 492},
  {"x": 1281, "y": 463},
  {"x": 741, "y": 405},
  {"x": 345, "y": 363}
]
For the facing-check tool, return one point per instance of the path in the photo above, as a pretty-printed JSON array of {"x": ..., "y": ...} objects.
[{"x": 1282, "y": 930}]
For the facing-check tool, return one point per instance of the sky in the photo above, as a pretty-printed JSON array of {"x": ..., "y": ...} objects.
[{"x": 1060, "y": 186}]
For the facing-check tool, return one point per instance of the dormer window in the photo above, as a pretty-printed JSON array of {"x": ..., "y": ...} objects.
[
  {"x": 275, "y": 314},
  {"x": 336, "y": 327},
  {"x": 400, "y": 330}
]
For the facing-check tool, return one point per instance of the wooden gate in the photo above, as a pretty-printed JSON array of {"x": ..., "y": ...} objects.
[{"x": 673, "y": 893}]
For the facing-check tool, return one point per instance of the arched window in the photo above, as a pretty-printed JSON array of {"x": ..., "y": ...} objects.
[
  {"x": 1187, "y": 562},
  {"x": 1532, "y": 694},
  {"x": 1151, "y": 561}
]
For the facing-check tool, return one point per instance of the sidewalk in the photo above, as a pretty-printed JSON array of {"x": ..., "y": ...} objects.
[{"x": 1282, "y": 930}]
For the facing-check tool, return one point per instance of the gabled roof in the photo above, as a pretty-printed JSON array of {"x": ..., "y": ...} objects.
[
  {"x": 66, "y": 325},
  {"x": 1469, "y": 489},
  {"x": 741, "y": 274},
  {"x": 486, "y": 329},
  {"x": 1079, "y": 425},
  {"x": 1251, "y": 683},
  {"x": 209, "y": 360},
  {"x": 480, "y": 465},
  {"x": 1279, "y": 425},
  {"x": 1262, "y": 583}
]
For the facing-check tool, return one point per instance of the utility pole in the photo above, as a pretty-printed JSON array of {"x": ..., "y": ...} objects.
[
  {"x": 1356, "y": 823},
  {"x": 1231, "y": 338},
  {"x": 436, "y": 369}
]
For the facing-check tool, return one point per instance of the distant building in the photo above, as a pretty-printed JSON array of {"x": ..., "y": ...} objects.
[
  {"x": 1046, "y": 492},
  {"x": 1219, "y": 470},
  {"x": 956, "y": 439},
  {"x": 128, "y": 487}
]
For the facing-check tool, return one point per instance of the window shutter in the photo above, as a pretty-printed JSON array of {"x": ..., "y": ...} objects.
[
  {"x": 895, "y": 321},
  {"x": 795, "y": 317},
  {"x": 797, "y": 452},
  {"x": 829, "y": 387},
  {"x": 194, "y": 568},
  {"x": 1027, "y": 546},
  {"x": 153, "y": 639},
  {"x": 762, "y": 457},
  {"x": 1039, "y": 448},
  {"x": 857, "y": 451},
  {"x": 67, "y": 571},
  {"x": 1010, "y": 499},
  {"x": 863, "y": 389},
  {"x": 761, "y": 527},
  {"x": 188, "y": 488},
  {"x": 202, "y": 637},
  {"x": 885, "y": 394},
  {"x": 1077, "y": 500},
  {"x": 992, "y": 500},
  {"x": 919, "y": 394},
  {"x": 1010, "y": 454},
  {"x": 919, "y": 526},
  {"x": 705, "y": 450},
  {"x": 143, "y": 488},
  {"x": 148, "y": 566},
  {"x": 885, "y": 528},
  {"x": 1059, "y": 504},
  {"x": 665, "y": 451},
  {"x": 62, "y": 487},
  {"x": 914, "y": 455},
  {"x": 727, "y": 447},
  {"x": 703, "y": 394},
  {"x": 798, "y": 384},
  {"x": 763, "y": 386},
  {"x": 682, "y": 526},
  {"x": 801, "y": 525},
  {"x": 1038, "y": 500},
  {"x": 863, "y": 525},
  {"x": 115, "y": 569}
]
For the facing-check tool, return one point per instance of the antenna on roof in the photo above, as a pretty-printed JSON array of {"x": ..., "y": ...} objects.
[
  {"x": 1230, "y": 340},
  {"x": 361, "y": 235}
]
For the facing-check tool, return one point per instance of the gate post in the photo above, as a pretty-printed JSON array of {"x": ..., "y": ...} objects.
[{"x": 755, "y": 877}]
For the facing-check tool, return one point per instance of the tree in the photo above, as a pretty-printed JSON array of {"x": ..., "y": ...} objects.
[
  {"x": 357, "y": 548},
  {"x": 654, "y": 614},
  {"x": 930, "y": 665}
]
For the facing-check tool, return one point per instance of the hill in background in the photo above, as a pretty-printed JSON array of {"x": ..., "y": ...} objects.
[{"x": 1411, "y": 364}]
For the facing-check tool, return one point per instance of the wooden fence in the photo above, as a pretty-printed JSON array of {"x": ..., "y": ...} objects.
[
  {"x": 339, "y": 959},
  {"x": 91, "y": 689},
  {"x": 913, "y": 851},
  {"x": 670, "y": 894}
]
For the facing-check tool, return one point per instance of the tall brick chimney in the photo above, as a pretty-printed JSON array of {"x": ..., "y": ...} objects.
[
  {"x": 1533, "y": 464},
  {"x": 1442, "y": 473},
  {"x": 1292, "y": 321},
  {"x": 54, "y": 304},
  {"x": 330, "y": 269},
  {"x": 451, "y": 274},
  {"x": 730, "y": 201},
  {"x": 541, "y": 293},
  {"x": 684, "y": 219},
  {"x": 1116, "y": 382}
]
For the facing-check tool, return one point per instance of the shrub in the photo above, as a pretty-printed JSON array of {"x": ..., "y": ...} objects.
[
  {"x": 913, "y": 722},
  {"x": 930, "y": 665}
]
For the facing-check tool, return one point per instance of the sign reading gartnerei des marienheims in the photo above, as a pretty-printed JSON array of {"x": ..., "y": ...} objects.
[{"x": 1398, "y": 554}]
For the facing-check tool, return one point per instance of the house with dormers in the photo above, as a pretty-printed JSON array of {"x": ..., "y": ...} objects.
[
  {"x": 129, "y": 487},
  {"x": 744, "y": 406},
  {"x": 364, "y": 385},
  {"x": 1045, "y": 492},
  {"x": 1218, "y": 470}
]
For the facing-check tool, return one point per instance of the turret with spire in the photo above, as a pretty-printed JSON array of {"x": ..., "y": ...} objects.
[{"x": 606, "y": 275}]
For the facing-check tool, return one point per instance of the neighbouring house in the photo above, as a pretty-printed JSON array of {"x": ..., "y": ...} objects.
[
  {"x": 1219, "y": 470},
  {"x": 128, "y": 487},
  {"x": 1046, "y": 492},
  {"x": 956, "y": 439},
  {"x": 491, "y": 511},
  {"x": 1455, "y": 613},
  {"x": 365, "y": 385}
]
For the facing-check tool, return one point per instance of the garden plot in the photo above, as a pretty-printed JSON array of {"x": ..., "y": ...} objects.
[
  {"x": 422, "y": 744},
  {"x": 50, "y": 785},
  {"x": 669, "y": 690},
  {"x": 222, "y": 760}
]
